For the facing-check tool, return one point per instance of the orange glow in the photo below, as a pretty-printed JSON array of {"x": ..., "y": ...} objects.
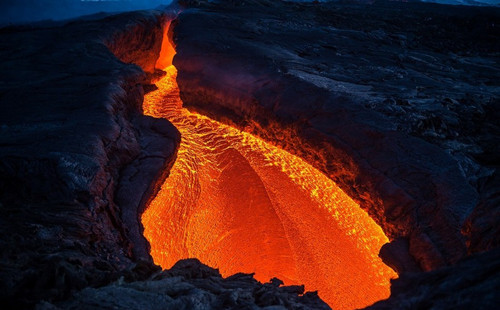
[
  {"x": 240, "y": 204},
  {"x": 167, "y": 51}
]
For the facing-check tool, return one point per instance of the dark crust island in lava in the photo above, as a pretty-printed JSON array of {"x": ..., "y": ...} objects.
[{"x": 398, "y": 103}]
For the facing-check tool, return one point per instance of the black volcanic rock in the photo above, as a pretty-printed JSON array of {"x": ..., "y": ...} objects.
[
  {"x": 481, "y": 228},
  {"x": 388, "y": 99},
  {"x": 192, "y": 285},
  {"x": 78, "y": 159},
  {"x": 471, "y": 284}
]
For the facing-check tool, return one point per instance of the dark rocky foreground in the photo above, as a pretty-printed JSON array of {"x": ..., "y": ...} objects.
[
  {"x": 396, "y": 102},
  {"x": 470, "y": 284},
  {"x": 192, "y": 285}
]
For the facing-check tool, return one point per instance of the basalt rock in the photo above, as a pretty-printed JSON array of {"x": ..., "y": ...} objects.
[
  {"x": 481, "y": 228},
  {"x": 78, "y": 159},
  {"x": 470, "y": 284},
  {"x": 389, "y": 100},
  {"x": 192, "y": 285}
]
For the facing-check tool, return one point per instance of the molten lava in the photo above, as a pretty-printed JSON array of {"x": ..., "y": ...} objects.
[{"x": 240, "y": 204}]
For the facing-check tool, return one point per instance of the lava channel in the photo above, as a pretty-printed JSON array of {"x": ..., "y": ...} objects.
[{"x": 240, "y": 204}]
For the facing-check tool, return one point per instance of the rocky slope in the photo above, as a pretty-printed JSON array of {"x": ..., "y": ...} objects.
[
  {"x": 78, "y": 160},
  {"x": 470, "y": 284},
  {"x": 395, "y": 102},
  {"x": 194, "y": 286}
]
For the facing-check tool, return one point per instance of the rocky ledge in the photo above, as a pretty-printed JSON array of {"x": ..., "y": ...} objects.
[
  {"x": 78, "y": 159},
  {"x": 396, "y": 102},
  {"x": 194, "y": 286},
  {"x": 471, "y": 284}
]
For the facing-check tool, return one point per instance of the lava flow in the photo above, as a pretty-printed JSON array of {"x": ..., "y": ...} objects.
[{"x": 240, "y": 204}]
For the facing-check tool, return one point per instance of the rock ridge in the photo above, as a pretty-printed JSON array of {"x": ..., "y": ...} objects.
[
  {"x": 358, "y": 91},
  {"x": 78, "y": 159}
]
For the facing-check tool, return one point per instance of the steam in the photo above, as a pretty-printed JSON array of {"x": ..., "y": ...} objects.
[{"x": 23, "y": 11}]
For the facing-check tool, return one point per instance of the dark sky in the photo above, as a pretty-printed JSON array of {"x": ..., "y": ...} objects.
[{"x": 19, "y": 11}]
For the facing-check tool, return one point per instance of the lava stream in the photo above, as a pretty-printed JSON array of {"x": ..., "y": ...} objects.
[{"x": 240, "y": 204}]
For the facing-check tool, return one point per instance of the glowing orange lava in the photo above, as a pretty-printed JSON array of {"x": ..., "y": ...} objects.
[{"x": 240, "y": 204}]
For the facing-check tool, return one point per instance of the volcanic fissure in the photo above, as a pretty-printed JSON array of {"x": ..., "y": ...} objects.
[{"x": 240, "y": 204}]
